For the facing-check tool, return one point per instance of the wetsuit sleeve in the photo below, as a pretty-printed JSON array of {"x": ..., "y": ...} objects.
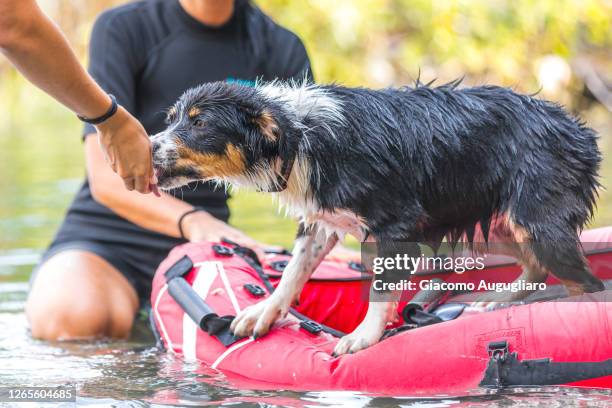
[
  {"x": 113, "y": 60},
  {"x": 298, "y": 63},
  {"x": 289, "y": 57}
]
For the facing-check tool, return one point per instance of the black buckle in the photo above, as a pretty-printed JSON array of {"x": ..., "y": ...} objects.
[
  {"x": 222, "y": 250},
  {"x": 279, "y": 266},
  {"x": 311, "y": 327},
  {"x": 409, "y": 311},
  {"x": 254, "y": 290},
  {"x": 498, "y": 350}
]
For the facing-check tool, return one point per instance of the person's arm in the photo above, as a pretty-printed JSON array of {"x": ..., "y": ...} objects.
[
  {"x": 37, "y": 48},
  {"x": 156, "y": 214}
]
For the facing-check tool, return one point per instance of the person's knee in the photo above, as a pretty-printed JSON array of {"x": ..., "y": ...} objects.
[
  {"x": 73, "y": 299},
  {"x": 55, "y": 314}
]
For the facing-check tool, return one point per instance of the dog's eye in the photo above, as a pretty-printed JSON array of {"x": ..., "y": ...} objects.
[{"x": 198, "y": 123}]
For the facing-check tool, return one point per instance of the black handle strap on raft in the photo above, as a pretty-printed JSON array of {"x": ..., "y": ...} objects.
[
  {"x": 415, "y": 315},
  {"x": 195, "y": 307},
  {"x": 505, "y": 370},
  {"x": 250, "y": 257}
]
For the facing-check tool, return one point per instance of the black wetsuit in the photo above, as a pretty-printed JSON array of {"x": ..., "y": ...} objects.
[{"x": 147, "y": 53}]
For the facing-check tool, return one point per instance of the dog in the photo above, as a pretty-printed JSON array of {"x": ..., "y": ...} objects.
[{"x": 399, "y": 164}]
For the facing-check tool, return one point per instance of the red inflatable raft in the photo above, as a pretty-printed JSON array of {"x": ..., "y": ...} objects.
[{"x": 448, "y": 349}]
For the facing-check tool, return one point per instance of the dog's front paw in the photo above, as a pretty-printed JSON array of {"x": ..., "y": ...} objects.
[
  {"x": 370, "y": 330},
  {"x": 357, "y": 340},
  {"x": 257, "y": 319}
]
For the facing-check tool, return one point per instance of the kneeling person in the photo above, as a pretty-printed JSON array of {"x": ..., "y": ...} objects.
[{"x": 98, "y": 269}]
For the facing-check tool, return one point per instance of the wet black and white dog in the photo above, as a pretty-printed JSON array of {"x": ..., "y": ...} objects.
[{"x": 401, "y": 164}]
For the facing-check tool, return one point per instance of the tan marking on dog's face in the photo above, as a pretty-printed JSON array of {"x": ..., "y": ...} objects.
[
  {"x": 194, "y": 112},
  {"x": 172, "y": 112},
  {"x": 267, "y": 124},
  {"x": 231, "y": 163}
]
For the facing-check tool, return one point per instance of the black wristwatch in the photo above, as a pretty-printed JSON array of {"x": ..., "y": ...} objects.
[{"x": 111, "y": 111}]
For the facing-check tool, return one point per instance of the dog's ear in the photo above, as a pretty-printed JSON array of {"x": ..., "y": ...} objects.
[
  {"x": 268, "y": 126},
  {"x": 273, "y": 136},
  {"x": 264, "y": 121},
  {"x": 264, "y": 135},
  {"x": 277, "y": 133}
]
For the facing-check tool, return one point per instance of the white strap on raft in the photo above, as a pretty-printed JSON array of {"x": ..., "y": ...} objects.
[{"x": 207, "y": 273}]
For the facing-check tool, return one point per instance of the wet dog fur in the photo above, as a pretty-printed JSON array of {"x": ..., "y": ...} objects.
[{"x": 400, "y": 164}]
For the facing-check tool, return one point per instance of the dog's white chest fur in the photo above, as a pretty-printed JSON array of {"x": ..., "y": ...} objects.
[{"x": 298, "y": 202}]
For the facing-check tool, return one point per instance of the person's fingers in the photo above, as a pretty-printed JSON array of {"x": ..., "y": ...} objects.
[
  {"x": 261, "y": 254},
  {"x": 150, "y": 174},
  {"x": 129, "y": 183},
  {"x": 154, "y": 190},
  {"x": 271, "y": 248},
  {"x": 153, "y": 178},
  {"x": 246, "y": 241},
  {"x": 249, "y": 242},
  {"x": 141, "y": 184},
  {"x": 237, "y": 237}
]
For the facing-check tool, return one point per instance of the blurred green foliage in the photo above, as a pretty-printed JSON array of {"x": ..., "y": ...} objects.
[
  {"x": 383, "y": 42},
  {"x": 355, "y": 42},
  {"x": 380, "y": 42}
]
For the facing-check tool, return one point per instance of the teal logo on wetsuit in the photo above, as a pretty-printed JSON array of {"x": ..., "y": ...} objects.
[{"x": 245, "y": 82}]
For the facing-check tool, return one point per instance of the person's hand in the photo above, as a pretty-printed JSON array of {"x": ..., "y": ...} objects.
[
  {"x": 201, "y": 226},
  {"x": 127, "y": 149}
]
